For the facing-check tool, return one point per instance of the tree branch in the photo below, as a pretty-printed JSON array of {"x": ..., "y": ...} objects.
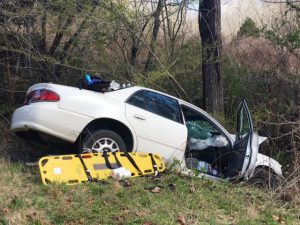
[{"x": 59, "y": 35}]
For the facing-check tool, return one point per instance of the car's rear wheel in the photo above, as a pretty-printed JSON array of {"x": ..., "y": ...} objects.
[{"x": 101, "y": 141}]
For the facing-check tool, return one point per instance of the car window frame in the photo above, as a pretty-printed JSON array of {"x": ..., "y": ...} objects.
[
  {"x": 244, "y": 107},
  {"x": 178, "y": 105}
]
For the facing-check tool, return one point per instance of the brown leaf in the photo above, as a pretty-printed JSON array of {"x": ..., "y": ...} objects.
[
  {"x": 192, "y": 188},
  {"x": 5, "y": 211},
  {"x": 181, "y": 220},
  {"x": 155, "y": 190},
  {"x": 276, "y": 218},
  {"x": 141, "y": 214},
  {"x": 147, "y": 223}
]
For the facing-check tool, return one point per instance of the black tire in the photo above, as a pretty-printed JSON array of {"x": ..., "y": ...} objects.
[
  {"x": 95, "y": 142},
  {"x": 264, "y": 178}
]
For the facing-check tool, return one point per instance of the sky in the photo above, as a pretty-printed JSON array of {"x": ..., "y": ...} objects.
[{"x": 234, "y": 13}]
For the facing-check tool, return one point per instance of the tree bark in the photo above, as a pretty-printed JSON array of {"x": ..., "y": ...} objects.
[
  {"x": 154, "y": 34},
  {"x": 134, "y": 49},
  {"x": 210, "y": 32}
]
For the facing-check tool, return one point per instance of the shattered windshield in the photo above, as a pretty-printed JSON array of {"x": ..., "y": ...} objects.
[
  {"x": 201, "y": 133},
  {"x": 199, "y": 129}
]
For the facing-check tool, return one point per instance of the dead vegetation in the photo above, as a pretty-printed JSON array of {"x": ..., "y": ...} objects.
[{"x": 263, "y": 55}]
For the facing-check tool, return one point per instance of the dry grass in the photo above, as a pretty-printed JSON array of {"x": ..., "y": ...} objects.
[
  {"x": 24, "y": 200},
  {"x": 263, "y": 55}
]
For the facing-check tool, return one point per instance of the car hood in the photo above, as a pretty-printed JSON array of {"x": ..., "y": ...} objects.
[{"x": 261, "y": 139}]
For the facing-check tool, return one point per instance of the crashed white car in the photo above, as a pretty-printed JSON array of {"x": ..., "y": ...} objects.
[{"x": 145, "y": 120}]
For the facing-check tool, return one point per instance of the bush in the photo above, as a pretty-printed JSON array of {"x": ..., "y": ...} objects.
[{"x": 248, "y": 29}]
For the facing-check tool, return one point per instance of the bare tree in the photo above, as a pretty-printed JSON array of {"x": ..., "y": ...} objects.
[
  {"x": 154, "y": 33},
  {"x": 135, "y": 25},
  {"x": 174, "y": 15}
]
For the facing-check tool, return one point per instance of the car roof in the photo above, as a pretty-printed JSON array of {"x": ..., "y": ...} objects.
[{"x": 124, "y": 94}]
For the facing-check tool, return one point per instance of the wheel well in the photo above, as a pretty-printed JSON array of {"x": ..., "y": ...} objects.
[
  {"x": 111, "y": 124},
  {"x": 266, "y": 168}
]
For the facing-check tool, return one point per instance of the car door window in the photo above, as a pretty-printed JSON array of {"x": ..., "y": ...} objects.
[
  {"x": 157, "y": 103},
  {"x": 244, "y": 125}
]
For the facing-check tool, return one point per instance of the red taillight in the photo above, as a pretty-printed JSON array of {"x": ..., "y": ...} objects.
[{"x": 41, "y": 95}]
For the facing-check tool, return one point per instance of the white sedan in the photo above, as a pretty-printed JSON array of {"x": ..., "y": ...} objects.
[{"x": 145, "y": 120}]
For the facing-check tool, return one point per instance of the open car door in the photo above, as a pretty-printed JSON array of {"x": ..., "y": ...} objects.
[{"x": 246, "y": 144}]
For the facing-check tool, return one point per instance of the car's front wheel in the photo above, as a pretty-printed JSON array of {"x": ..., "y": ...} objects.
[
  {"x": 263, "y": 178},
  {"x": 101, "y": 141}
]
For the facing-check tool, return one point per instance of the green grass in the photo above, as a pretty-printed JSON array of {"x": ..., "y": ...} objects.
[{"x": 24, "y": 200}]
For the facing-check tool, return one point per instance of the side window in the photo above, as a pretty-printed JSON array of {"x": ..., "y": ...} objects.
[
  {"x": 157, "y": 103},
  {"x": 137, "y": 100}
]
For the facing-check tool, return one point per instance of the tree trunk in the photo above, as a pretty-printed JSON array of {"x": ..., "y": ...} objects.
[
  {"x": 154, "y": 34},
  {"x": 134, "y": 49},
  {"x": 210, "y": 32}
]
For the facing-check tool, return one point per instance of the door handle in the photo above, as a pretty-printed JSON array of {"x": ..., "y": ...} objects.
[{"x": 139, "y": 117}]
